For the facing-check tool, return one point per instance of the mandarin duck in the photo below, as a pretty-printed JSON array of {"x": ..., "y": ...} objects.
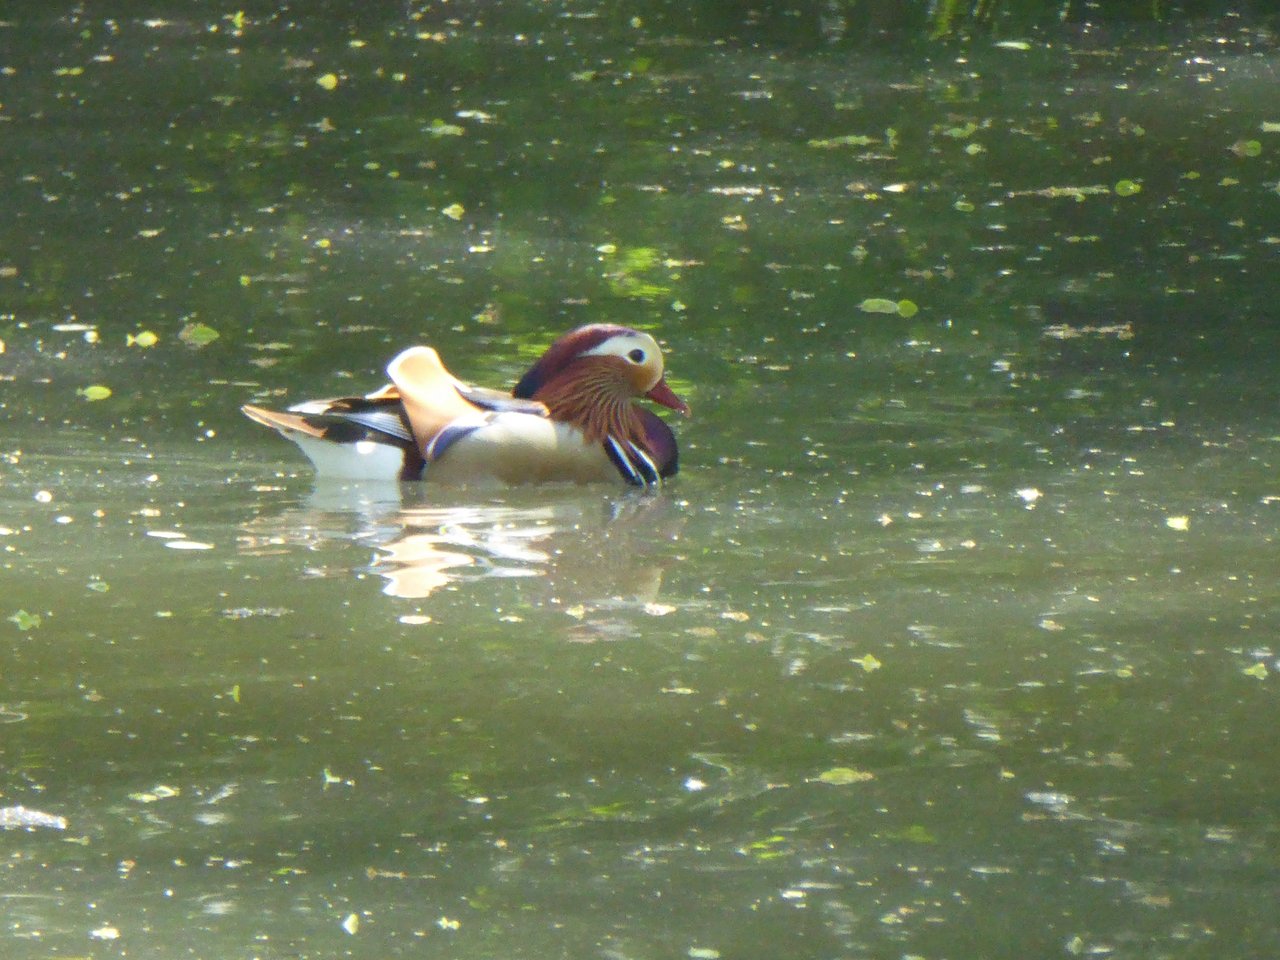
[{"x": 570, "y": 417}]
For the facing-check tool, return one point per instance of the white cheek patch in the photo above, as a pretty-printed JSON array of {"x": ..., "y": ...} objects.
[
  {"x": 620, "y": 346},
  {"x": 623, "y": 344}
]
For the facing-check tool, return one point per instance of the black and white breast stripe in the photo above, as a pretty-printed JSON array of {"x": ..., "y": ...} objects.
[{"x": 635, "y": 465}]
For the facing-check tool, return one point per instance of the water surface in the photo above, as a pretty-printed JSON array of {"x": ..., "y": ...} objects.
[{"x": 953, "y": 639}]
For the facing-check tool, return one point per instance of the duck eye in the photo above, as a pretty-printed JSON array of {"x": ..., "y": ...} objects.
[{"x": 636, "y": 356}]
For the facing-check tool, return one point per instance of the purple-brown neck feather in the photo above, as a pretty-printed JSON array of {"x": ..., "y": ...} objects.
[{"x": 660, "y": 442}]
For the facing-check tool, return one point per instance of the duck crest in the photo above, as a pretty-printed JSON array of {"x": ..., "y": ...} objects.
[{"x": 562, "y": 353}]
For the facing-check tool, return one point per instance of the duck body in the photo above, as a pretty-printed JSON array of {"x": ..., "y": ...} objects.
[{"x": 572, "y": 417}]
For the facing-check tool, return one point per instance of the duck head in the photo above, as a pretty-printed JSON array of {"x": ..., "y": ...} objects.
[{"x": 591, "y": 376}]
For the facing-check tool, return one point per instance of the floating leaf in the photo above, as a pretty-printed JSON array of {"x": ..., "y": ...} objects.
[
  {"x": 1247, "y": 148},
  {"x": 1177, "y": 523},
  {"x": 878, "y": 305},
  {"x": 1065, "y": 331},
  {"x": 160, "y": 791},
  {"x": 327, "y": 81},
  {"x": 1270, "y": 127},
  {"x": 907, "y": 308},
  {"x": 868, "y": 663},
  {"x": 1054, "y": 193},
  {"x": 1258, "y": 670},
  {"x": 843, "y": 776},
  {"x": 1127, "y": 188},
  {"x": 439, "y": 128},
  {"x": 1013, "y": 45},
  {"x": 848, "y": 140},
  {"x": 455, "y": 211},
  {"x": 351, "y": 924},
  {"x": 198, "y": 334},
  {"x": 95, "y": 392},
  {"x": 25, "y": 621},
  {"x": 145, "y": 339}
]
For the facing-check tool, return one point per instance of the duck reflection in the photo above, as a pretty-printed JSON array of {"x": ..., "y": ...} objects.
[{"x": 580, "y": 547}]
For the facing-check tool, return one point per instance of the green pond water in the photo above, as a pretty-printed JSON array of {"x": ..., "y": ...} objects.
[{"x": 954, "y": 638}]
